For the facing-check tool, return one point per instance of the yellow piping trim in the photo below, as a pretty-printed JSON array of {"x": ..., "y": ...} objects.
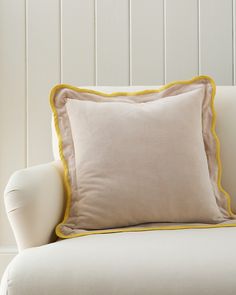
[{"x": 149, "y": 91}]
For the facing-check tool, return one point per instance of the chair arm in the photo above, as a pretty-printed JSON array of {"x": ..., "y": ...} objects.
[{"x": 34, "y": 200}]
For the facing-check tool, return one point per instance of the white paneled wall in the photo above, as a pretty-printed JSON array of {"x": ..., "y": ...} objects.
[
  {"x": 78, "y": 42},
  {"x": 12, "y": 105},
  {"x": 181, "y": 39},
  {"x": 97, "y": 42},
  {"x": 147, "y": 45},
  {"x": 112, "y": 36},
  {"x": 216, "y": 21},
  {"x": 43, "y": 71}
]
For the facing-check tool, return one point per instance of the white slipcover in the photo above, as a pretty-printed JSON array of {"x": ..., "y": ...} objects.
[{"x": 180, "y": 262}]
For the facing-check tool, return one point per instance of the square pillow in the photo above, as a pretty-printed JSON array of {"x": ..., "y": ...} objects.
[{"x": 140, "y": 161}]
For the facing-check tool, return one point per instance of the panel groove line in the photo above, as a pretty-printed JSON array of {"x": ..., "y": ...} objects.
[
  {"x": 26, "y": 83},
  {"x": 164, "y": 41},
  {"x": 95, "y": 44},
  {"x": 198, "y": 37},
  {"x": 60, "y": 41},
  {"x": 130, "y": 44},
  {"x": 234, "y": 40}
]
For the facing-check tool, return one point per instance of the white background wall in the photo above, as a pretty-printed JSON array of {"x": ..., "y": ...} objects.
[{"x": 97, "y": 42}]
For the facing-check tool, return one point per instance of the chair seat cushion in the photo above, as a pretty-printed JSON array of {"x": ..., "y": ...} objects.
[{"x": 186, "y": 262}]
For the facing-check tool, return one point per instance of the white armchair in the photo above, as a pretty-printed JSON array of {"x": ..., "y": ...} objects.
[
  {"x": 178, "y": 262},
  {"x": 34, "y": 199}
]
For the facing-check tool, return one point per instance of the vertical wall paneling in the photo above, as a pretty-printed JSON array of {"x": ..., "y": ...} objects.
[
  {"x": 112, "y": 42},
  {"x": 147, "y": 46},
  {"x": 216, "y": 42},
  {"x": 78, "y": 42},
  {"x": 12, "y": 100},
  {"x": 181, "y": 39},
  {"x": 234, "y": 41},
  {"x": 43, "y": 72}
]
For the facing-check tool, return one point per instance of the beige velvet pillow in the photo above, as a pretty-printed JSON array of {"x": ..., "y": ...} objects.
[{"x": 140, "y": 161}]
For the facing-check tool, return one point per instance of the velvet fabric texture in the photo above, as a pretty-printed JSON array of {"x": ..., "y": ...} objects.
[{"x": 138, "y": 161}]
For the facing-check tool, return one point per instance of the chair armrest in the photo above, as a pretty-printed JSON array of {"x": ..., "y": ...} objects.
[{"x": 34, "y": 200}]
